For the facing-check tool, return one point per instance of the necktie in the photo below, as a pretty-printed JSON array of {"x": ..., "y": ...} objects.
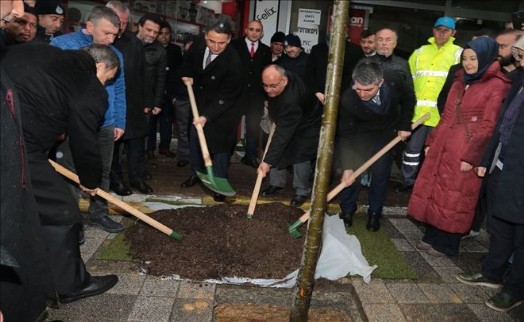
[
  {"x": 208, "y": 59},
  {"x": 252, "y": 51}
]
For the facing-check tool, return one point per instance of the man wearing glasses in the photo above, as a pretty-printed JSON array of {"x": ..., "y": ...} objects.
[
  {"x": 292, "y": 107},
  {"x": 429, "y": 66}
]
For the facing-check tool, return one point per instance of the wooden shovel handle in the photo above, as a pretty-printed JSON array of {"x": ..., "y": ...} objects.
[
  {"x": 200, "y": 130},
  {"x": 258, "y": 183},
  {"x": 335, "y": 191},
  {"x": 133, "y": 211}
]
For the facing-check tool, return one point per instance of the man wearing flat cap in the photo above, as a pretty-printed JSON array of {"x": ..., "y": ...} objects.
[
  {"x": 429, "y": 66},
  {"x": 50, "y": 19}
]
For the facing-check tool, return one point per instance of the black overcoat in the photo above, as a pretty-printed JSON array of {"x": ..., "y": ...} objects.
[
  {"x": 253, "y": 94},
  {"x": 297, "y": 118},
  {"x": 217, "y": 89},
  {"x": 509, "y": 197},
  {"x": 59, "y": 93}
]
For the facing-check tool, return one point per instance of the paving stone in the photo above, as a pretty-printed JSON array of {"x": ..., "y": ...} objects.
[
  {"x": 129, "y": 283},
  {"x": 469, "y": 262},
  {"x": 374, "y": 292},
  {"x": 402, "y": 245},
  {"x": 236, "y": 294},
  {"x": 448, "y": 274},
  {"x": 93, "y": 232},
  {"x": 454, "y": 312},
  {"x": 440, "y": 293},
  {"x": 151, "y": 308},
  {"x": 192, "y": 310},
  {"x": 444, "y": 261},
  {"x": 484, "y": 313},
  {"x": 157, "y": 286},
  {"x": 390, "y": 229},
  {"x": 407, "y": 228},
  {"x": 90, "y": 247},
  {"x": 424, "y": 271},
  {"x": 383, "y": 312},
  {"x": 469, "y": 294},
  {"x": 199, "y": 290},
  {"x": 406, "y": 293},
  {"x": 104, "y": 307},
  {"x": 472, "y": 246},
  {"x": 419, "y": 312}
]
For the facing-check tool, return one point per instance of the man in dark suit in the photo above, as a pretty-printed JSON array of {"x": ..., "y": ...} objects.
[
  {"x": 254, "y": 56},
  {"x": 214, "y": 69},
  {"x": 295, "y": 141}
]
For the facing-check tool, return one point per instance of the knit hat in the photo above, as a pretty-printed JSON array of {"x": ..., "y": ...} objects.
[
  {"x": 520, "y": 44},
  {"x": 446, "y": 22},
  {"x": 293, "y": 40},
  {"x": 29, "y": 9},
  {"x": 279, "y": 36},
  {"x": 49, "y": 7}
]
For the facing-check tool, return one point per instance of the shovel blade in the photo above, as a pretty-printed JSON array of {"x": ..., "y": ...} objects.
[{"x": 217, "y": 184}]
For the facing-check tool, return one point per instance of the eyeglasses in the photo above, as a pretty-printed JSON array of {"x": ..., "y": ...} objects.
[{"x": 272, "y": 86}]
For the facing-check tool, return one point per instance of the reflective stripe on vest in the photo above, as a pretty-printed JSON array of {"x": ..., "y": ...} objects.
[
  {"x": 426, "y": 103},
  {"x": 433, "y": 73}
]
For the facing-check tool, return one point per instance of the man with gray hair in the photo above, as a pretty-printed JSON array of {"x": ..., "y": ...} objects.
[
  {"x": 102, "y": 27},
  {"x": 377, "y": 107}
]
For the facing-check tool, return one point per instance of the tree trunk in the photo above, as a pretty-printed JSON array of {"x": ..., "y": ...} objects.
[{"x": 305, "y": 280}]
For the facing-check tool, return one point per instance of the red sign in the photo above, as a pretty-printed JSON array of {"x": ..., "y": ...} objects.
[{"x": 357, "y": 19}]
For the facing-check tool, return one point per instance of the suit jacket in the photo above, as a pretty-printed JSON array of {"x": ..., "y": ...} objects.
[
  {"x": 253, "y": 94},
  {"x": 217, "y": 89}
]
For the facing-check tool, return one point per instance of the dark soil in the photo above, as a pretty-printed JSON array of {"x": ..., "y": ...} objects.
[{"x": 220, "y": 242}]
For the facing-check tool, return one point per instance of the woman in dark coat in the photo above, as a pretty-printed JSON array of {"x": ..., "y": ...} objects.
[{"x": 447, "y": 190}]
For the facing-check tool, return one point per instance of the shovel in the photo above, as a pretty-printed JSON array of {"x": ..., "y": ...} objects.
[
  {"x": 217, "y": 184},
  {"x": 135, "y": 212},
  {"x": 256, "y": 190},
  {"x": 293, "y": 229}
]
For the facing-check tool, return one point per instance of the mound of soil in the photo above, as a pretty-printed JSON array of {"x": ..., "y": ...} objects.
[{"x": 220, "y": 242}]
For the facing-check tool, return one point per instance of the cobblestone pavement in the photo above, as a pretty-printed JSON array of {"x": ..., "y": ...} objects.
[{"x": 434, "y": 296}]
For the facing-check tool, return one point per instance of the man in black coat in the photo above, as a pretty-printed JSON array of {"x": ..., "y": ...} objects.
[
  {"x": 136, "y": 121},
  {"x": 297, "y": 117},
  {"x": 254, "y": 56},
  {"x": 214, "y": 69},
  {"x": 373, "y": 111},
  {"x": 61, "y": 92},
  {"x": 505, "y": 201},
  {"x": 295, "y": 59}
]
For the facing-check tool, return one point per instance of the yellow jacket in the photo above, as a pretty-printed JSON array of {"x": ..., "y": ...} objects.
[{"x": 429, "y": 66}]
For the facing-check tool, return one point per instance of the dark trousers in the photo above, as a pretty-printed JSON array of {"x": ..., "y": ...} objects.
[
  {"x": 413, "y": 154},
  {"x": 506, "y": 239},
  {"x": 442, "y": 241},
  {"x": 136, "y": 160},
  {"x": 380, "y": 172},
  {"x": 220, "y": 160},
  {"x": 183, "y": 122},
  {"x": 253, "y": 132},
  {"x": 164, "y": 120}
]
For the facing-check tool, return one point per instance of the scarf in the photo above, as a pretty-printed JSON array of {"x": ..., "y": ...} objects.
[{"x": 487, "y": 50}]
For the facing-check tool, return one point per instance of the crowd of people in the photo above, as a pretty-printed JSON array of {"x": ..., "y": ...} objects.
[{"x": 82, "y": 98}]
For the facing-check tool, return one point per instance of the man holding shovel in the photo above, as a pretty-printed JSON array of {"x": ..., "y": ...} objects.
[
  {"x": 292, "y": 107},
  {"x": 214, "y": 70},
  {"x": 377, "y": 107}
]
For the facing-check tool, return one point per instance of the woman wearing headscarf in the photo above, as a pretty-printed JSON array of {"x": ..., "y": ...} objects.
[{"x": 447, "y": 188}]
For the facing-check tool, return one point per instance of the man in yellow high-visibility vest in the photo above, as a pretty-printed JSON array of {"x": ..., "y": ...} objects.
[{"x": 429, "y": 66}]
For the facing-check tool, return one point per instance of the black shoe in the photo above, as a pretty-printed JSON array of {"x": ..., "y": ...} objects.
[
  {"x": 182, "y": 163},
  {"x": 142, "y": 187},
  {"x": 373, "y": 222},
  {"x": 404, "y": 188},
  {"x": 96, "y": 285},
  {"x": 167, "y": 153},
  {"x": 106, "y": 224},
  {"x": 190, "y": 182},
  {"x": 120, "y": 188},
  {"x": 347, "y": 218},
  {"x": 271, "y": 190},
  {"x": 81, "y": 237},
  {"x": 298, "y": 201},
  {"x": 218, "y": 197},
  {"x": 249, "y": 162}
]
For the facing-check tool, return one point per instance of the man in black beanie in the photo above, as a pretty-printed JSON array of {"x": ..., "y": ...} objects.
[
  {"x": 277, "y": 45},
  {"x": 50, "y": 19},
  {"x": 20, "y": 29}
]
